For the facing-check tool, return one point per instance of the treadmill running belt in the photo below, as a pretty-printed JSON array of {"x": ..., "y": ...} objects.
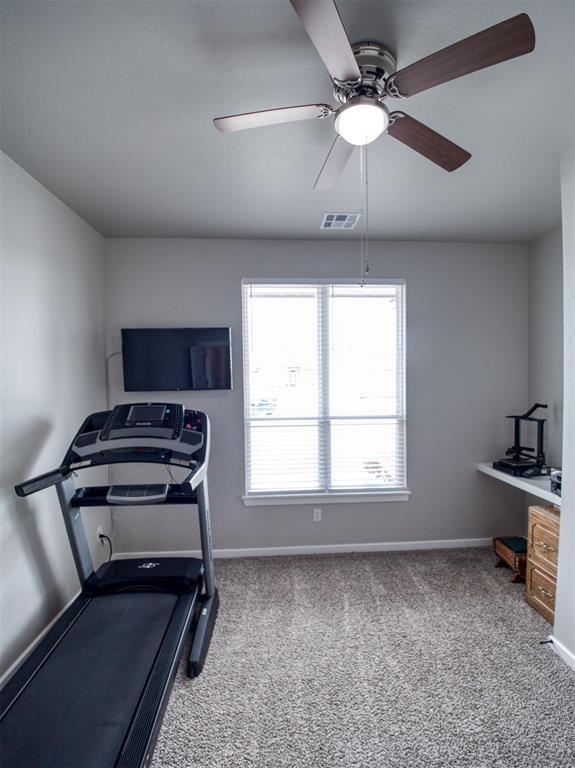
[{"x": 100, "y": 667}]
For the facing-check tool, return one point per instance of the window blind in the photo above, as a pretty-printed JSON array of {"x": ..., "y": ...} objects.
[{"x": 324, "y": 387}]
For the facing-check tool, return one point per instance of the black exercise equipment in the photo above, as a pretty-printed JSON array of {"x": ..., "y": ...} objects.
[{"x": 93, "y": 691}]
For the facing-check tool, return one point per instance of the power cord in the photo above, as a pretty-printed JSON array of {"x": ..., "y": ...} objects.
[
  {"x": 169, "y": 471},
  {"x": 103, "y": 536}
]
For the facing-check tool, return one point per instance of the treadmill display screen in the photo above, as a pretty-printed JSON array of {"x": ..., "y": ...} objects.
[{"x": 146, "y": 413}]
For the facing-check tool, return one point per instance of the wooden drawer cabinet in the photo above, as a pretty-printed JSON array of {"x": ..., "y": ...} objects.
[
  {"x": 540, "y": 591},
  {"x": 543, "y": 538},
  {"x": 542, "y": 551}
]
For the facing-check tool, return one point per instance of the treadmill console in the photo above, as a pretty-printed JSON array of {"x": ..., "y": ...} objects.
[
  {"x": 162, "y": 433},
  {"x": 146, "y": 433}
]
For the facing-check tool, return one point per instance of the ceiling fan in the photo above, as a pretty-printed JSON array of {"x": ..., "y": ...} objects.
[{"x": 364, "y": 76}]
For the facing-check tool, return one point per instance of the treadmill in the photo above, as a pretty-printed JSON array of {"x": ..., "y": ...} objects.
[{"x": 93, "y": 692}]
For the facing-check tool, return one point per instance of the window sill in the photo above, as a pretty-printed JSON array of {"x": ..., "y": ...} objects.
[{"x": 274, "y": 499}]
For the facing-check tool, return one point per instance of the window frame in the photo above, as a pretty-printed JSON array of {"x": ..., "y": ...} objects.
[{"x": 324, "y": 496}]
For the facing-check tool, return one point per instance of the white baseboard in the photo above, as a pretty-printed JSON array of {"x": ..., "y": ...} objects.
[
  {"x": 563, "y": 652},
  {"x": 14, "y": 666},
  {"x": 318, "y": 549}
]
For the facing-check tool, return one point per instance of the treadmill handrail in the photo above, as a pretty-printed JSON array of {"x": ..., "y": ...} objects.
[
  {"x": 55, "y": 476},
  {"x": 38, "y": 483}
]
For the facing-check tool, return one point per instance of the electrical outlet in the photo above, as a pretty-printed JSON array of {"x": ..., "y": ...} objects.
[
  {"x": 317, "y": 514},
  {"x": 100, "y": 532}
]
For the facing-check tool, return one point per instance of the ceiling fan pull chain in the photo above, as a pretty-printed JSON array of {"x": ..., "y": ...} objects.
[
  {"x": 361, "y": 217},
  {"x": 364, "y": 230},
  {"x": 366, "y": 263}
]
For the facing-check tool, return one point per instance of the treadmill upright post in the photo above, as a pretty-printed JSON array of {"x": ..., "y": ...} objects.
[
  {"x": 206, "y": 536},
  {"x": 75, "y": 530},
  {"x": 210, "y": 600}
]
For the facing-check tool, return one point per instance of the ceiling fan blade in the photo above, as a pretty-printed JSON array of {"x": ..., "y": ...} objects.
[
  {"x": 272, "y": 117},
  {"x": 427, "y": 142},
  {"x": 334, "y": 164},
  {"x": 323, "y": 25},
  {"x": 506, "y": 40}
]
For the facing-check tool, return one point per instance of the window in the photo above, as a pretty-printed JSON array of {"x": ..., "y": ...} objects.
[{"x": 324, "y": 389}]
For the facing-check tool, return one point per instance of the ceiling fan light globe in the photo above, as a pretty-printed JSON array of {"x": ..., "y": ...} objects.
[{"x": 361, "y": 121}]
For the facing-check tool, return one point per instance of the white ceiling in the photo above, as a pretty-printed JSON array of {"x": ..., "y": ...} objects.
[{"x": 109, "y": 105}]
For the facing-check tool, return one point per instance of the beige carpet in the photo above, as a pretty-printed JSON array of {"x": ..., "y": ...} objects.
[{"x": 403, "y": 660}]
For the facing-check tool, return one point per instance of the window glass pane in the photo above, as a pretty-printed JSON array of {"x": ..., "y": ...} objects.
[
  {"x": 283, "y": 456},
  {"x": 367, "y": 454},
  {"x": 324, "y": 387},
  {"x": 363, "y": 355},
  {"x": 283, "y": 354}
]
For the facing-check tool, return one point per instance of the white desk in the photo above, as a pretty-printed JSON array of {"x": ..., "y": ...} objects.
[{"x": 536, "y": 486}]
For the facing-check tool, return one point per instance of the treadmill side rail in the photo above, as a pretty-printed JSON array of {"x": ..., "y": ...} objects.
[{"x": 138, "y": 747}]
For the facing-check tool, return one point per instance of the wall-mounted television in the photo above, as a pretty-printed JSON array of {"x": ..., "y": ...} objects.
[{"x": 173, "y": 359}]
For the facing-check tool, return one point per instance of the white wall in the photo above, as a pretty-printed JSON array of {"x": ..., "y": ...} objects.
[
  {"x": 467, "y": 359},
  {"x": 546, "y": 338},
  {"x": 564, "y": 628},
  {"x": 52, "y": 353}
]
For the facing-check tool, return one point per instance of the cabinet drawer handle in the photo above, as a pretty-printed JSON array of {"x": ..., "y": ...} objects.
[
  {"x": 544, "y": 592},
  {"x": 545, "y": 546}
]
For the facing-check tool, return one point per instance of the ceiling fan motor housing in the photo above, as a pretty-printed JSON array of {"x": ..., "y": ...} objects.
[{"x": 376, "y": 64}]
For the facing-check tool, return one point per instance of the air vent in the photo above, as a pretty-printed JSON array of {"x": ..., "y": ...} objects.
[{"x": 339, "y": 220}]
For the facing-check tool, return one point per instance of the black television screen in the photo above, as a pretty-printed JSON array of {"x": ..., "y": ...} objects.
[{"x": 171, "y": 359}]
